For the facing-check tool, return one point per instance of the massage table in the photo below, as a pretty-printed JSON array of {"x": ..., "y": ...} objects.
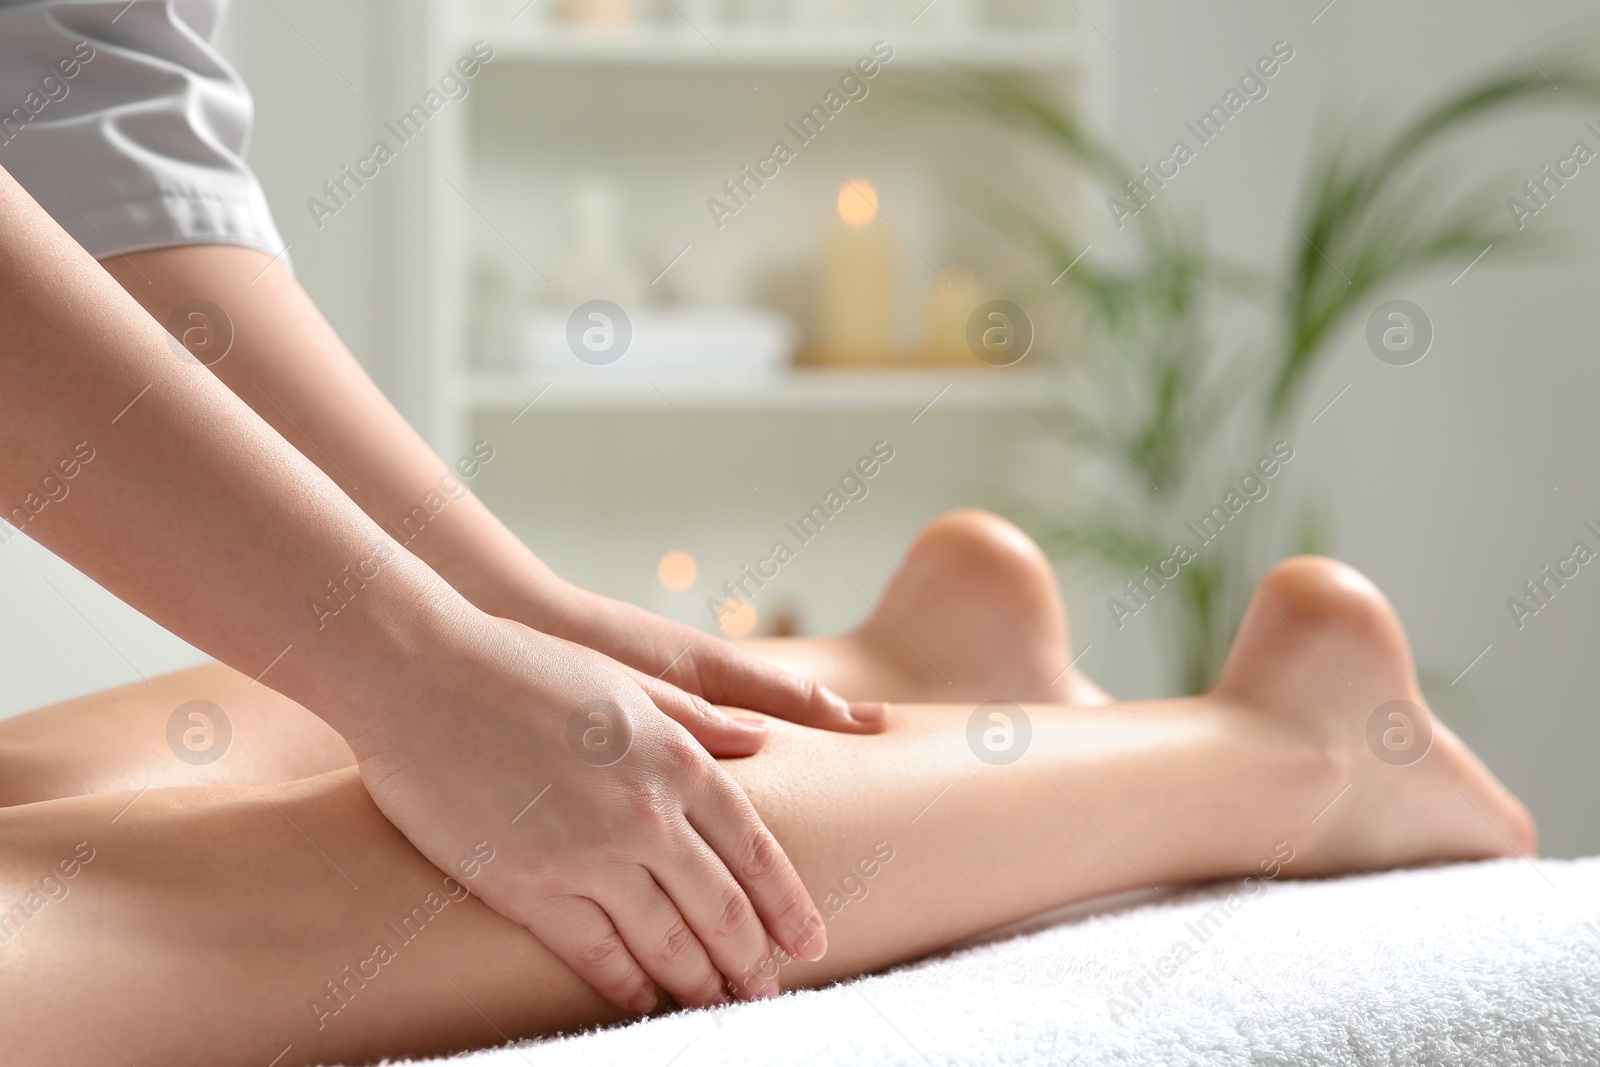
[{"x": 1489, "y": 964}]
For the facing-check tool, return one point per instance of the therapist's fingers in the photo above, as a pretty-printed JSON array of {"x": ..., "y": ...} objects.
[
  {"x": 724, "y": 674},
  {"x": 719, "y": 733},
  {"x": 728, "y": 822},
  {"x": 718, "y": 910},
  {"x": 579, "y": 931},
  {"x": 661, "y": 939}
]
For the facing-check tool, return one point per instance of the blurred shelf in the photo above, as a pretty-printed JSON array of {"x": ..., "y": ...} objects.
[
  {"x": 769, "y": 48},
  {"x": 797, "y": 390}
]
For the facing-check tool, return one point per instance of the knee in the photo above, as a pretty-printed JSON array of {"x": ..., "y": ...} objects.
[{"x": 30, "y": 773}]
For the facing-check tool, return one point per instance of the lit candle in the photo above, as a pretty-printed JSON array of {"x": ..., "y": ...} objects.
[
  {"x": 860, "y": 281},
  {"x": 952, "y": 297}
]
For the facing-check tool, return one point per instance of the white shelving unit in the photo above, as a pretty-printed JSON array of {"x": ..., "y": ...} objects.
[
  {"x": 602, "y": 476},
  {"x": 762, "y": 48},
  {"x": 445, "y": 388},
  {"x": 797, "y": 391}
]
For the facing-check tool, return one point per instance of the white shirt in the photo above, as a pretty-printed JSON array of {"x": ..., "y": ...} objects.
[{"x": 125, "y": 124}]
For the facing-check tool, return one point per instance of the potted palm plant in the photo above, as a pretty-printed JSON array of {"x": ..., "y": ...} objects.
[{"x": 1369, "y": 214}]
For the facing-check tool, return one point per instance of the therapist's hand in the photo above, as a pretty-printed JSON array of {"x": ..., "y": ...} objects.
[
  {"x": 617, "y": 840},
  {"x": 697, "y": 662}
]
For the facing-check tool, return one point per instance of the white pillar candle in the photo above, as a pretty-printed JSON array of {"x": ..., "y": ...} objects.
[{"x": 860, "y": 281}]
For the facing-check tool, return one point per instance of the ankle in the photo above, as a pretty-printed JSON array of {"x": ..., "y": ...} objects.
[{"x": 1311, "y": 762}]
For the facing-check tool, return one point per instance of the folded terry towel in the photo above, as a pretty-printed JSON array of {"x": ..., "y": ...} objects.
[{"x": 1488, "y": 963}]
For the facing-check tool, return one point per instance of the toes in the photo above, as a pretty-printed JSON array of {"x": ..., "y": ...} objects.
[
  {"x": 1504, "y": 822},
  {"x": 1523, "y": 831},
  {"x": 1518, "y": 826}
]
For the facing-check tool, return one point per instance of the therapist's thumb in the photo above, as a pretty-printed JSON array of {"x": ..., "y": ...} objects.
[
  {"x": 728, "y": 675},
  {"x": 722, "y": 735}
]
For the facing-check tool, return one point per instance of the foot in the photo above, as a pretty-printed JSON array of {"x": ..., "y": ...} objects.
[
  {"x": 1320, "y": 647},
  {"x": 973, "y": 613}
]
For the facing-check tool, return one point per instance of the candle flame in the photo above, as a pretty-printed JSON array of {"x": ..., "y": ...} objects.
[{"x": 858, "y": 202}]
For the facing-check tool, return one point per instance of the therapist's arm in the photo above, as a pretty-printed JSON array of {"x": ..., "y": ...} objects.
[
  {"x": 627, "y": 851},
  {"x": 287, "y": 363}
]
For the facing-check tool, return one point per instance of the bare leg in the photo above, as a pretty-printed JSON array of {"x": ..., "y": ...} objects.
[
  {"x": 121, "y": 739},
  {"x": 231, "y": 908},
  {"x": 973, "y": 595}
]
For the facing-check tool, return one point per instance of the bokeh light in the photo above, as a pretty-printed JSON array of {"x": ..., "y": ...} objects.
[
  {"x": 737, "y": 618},
  {"x": 677, "y": 570}
]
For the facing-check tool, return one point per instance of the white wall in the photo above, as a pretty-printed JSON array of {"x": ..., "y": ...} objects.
[{"x": 1425, "y": 496}]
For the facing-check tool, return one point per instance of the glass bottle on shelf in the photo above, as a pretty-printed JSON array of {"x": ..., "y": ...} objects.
[{"x": 598, "y": 263}]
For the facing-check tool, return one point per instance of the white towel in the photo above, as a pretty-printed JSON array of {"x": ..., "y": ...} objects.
[{"x": 1484, "y": 964}]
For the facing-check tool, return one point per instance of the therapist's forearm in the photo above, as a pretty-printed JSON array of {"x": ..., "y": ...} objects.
[
  {"x": 287, "y": 363},
  {"x": 197, "y": 513},
  {"x": 190, "y": 508}
]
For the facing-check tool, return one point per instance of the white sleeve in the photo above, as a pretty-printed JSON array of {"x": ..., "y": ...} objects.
[{"x": 120, "y": 118}]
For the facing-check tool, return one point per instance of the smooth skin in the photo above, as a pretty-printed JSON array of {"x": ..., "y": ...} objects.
[
  {"x": 191, "y": 508},
  {"x": 246, "y": 917}
]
